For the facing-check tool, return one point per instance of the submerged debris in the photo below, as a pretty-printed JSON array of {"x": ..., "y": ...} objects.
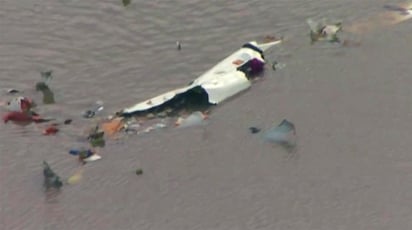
[
  {"x": 323, "y": 31},
  {"x": 46, "y": 75},
  {"x": 283, "y": 134},
  {"x": 139, "y": 171},
  {"x": 278, "y": 66},
  {"x": 153, "y": 127},
  {"x": 76, "y": 177},
  {"x": 194, "y": 119},
  {"x": 51, "y": 179},
  {"x": 178, "y": 45},
  {"x": 43, "y": 87},
  {"x": 126, "y": 2},
  {"x": 48, "y": 95}
]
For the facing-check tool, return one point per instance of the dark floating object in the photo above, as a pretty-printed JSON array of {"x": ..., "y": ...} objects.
[
  {"x": 254, "y": 130},
  {"x": 88, "y": 114},
  {"x": 139, "y": 171},
  {"x": 284, "y": 134},
  {"x": 67, "y": 121},
  {"x": 126, "y": 2},
  {"x": 97, "y": 107},
  {"x": 51, "y": 179}
]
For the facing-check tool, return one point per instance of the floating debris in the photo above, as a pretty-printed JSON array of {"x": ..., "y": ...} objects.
[
  {"x": 153, "y": 127},
  {"x": 323, "y": 31},
  {"x": 92, "y": 158},
  {"x": 126, "y": 2},
  {"x": 67, "y": 121},
  {"x": 50, "y": 130},
  {"x": 113, "y": 126},
  {"x": 12, "y": 91},
  {"x": 48, "y": 95},
  {"x": 20, "y": 104},
  {"x": 75, "y": 178},
  {"x": 194, "y": 119},
  {"x": 46, "y": 75},
  {"x": 278, "y": 66},
  {"x": 85, "y": 155},
  {"x": 51, "y": 179},
  {"x": 131, "y": 128},
  {"x": 97, "y": 107},
  {"x": 139, "y": 171},
  {"x": 254, "y": 130},
  {"x": 24, "y": 118},
  {"x": 283, "y": 134},
  {"x": 96, "y": 138}
]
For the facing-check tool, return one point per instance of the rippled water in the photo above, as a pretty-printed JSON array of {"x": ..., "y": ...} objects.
[{"x": 351, "y": 107}]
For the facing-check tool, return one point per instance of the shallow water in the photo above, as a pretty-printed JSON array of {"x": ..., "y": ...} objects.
[{"x": 351, "y": 107}]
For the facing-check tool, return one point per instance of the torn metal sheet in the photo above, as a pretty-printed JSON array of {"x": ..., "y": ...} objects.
[{"x": 226, "y": 79}]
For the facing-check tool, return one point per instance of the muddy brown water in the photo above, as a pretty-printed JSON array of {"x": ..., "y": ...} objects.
[{"x": 351, "y": 107}]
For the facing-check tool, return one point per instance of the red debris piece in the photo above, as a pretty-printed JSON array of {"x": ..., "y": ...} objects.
[{"x": 51, "y": 130}]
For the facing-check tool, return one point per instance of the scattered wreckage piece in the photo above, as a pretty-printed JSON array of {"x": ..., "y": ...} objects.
[
  {"x": 48, "y": 95},
  {"x": 51, "y": 179},
  {"x": 324, "y": 31},
  {"x": 43, "y": 87},
  {"x": 20, "y": 104},
  {"x": 20, "y": 112},
  {"x": 226, "y": 79},
  {"x": 76, "y": 177},
  {"x": 97, "y": 107},
  {"x": 283, "y": 134},
  {"x": 254, "y": 129},
  {"x": 96, "y": 138},
  {"x": 85, "y": 155},
  {"x": 12, "y": 91}
]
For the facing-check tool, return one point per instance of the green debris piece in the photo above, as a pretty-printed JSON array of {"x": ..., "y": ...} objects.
[
  {"x": 48, "y": 95},
  {"x": 99, "y": 142},
  {"x": 126, "y": 2},
  {"x": 46, "y": 75},
  {"x": 51, "y": 179},
  {"x": 96, "y": 138},
  {"x": 139, "y": 171}
]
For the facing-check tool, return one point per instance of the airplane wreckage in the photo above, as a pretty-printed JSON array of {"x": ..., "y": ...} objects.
[{"x": 226, "y": 79}]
